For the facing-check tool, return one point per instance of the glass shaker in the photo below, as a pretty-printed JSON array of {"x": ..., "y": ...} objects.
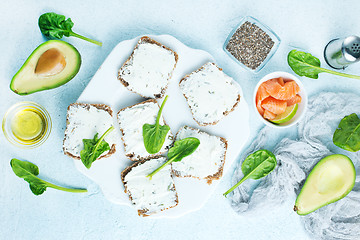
[{"x": 341, "y": 52}]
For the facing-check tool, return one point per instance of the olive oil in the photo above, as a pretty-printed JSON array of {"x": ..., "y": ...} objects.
[{"x": 28, "y": 125}]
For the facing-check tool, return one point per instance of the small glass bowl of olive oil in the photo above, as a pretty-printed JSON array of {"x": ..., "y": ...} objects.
[{"x": 26, "y": 124}]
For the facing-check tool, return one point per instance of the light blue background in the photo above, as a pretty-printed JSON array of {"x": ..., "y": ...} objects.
[{"x": 198, "y": 24}]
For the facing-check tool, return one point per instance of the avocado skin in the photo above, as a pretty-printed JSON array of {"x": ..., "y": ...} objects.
[
  {"x": 57, "y": 84},
  {"x": 321, "y": 162}
]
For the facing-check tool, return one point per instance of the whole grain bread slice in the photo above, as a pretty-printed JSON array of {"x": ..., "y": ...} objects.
[
  {"x": 206, "y": 98},
  {"x": 134, "y": 156},
  {"x": 68, "y": 119},
  {"x": 143, "y": 211},
  {"x": 214, "y": 175},
  {"x": 123, "y": 70}
]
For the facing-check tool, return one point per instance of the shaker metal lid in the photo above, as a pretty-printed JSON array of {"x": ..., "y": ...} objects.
[{"x": 351, "y": 48}]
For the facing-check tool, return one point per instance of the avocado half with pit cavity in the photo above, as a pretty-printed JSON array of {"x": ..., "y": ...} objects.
[
  {"x": 50, "y": 65},
  {"x": 330, "y": 180}
]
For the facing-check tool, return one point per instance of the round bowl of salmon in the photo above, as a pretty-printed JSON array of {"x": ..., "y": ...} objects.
[{"x": 280, "y": 100}]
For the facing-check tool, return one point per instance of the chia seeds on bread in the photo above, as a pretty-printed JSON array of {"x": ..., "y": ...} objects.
[{"x": 156, "y": 73}]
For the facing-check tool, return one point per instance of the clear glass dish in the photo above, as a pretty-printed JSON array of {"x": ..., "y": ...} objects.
[
  {"x": 267, "y": 30},
  {"x": 32, "y": 107}
]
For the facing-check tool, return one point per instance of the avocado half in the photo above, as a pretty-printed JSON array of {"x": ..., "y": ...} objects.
[
  {"x": 332, "y": 178},
  {"x": 50, "y": 65}
]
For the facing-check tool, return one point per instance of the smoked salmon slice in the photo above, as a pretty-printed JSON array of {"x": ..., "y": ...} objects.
[
  {"x": 261, "y": 93},
  {"x": 269, "y": 115},
  {"x": 276, "y": 90},
  {"x": 260, "y": 96},
  {"x": 294, "y": 100},
  {"x": 274, "y": 105},
  {"x": 260, "y": 108},
  {"x": 281, "y": 81}
]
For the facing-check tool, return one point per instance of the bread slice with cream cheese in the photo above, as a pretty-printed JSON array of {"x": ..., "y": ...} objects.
[
  {"x": 210, "y": 94},
  {"x": 148, "y": 69},
  {"x": 150, "y": 196},
  {"x": 207, "y": 162},
  {"x": 131, "y": 120},
  {"x": 83, "y": 121}
]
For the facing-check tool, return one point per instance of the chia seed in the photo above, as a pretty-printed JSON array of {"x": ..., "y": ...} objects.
[{"x": 250, "y": 45}]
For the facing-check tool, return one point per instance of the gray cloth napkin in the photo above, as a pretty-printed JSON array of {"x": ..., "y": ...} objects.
[{"x": 340, "y": 220}]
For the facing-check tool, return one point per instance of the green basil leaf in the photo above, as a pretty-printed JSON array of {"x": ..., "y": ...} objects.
[
  {"x": 183, "y": 148},
  {"x": 347, "y": 135},
  {"x": 29, "y": 171},
  {"x": 257, "y": 165},
  {"x": 154, "y": 135},
  {"x": 93, "y": 148}
]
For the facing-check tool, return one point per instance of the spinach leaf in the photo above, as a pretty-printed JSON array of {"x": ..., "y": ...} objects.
[
  {"x": 256, "y": 166},
  {"x": 29, "y": 171},
  {"x": 305, "y": 64},
  {"x": 182, "y": 148},
  {"x": 54, "y": 25},
  {"x": 347, "y": 135},
  {"x": 93, "y": 148},
  {"x": 154, "y": 134}
]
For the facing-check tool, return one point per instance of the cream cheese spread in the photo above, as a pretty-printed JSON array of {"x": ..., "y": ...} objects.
[
  {"x": 84, "y": 123},
  {"x": 151, "y": 195},
  {"x": 148, "y": 70},
  {"x": 207, "y": 159},
  {"x": 131, "y": 122},
  {"x": 210, "y": 93}
]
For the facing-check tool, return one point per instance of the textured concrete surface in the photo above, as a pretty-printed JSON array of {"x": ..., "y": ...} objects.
[{"x": 199, "y": 24}]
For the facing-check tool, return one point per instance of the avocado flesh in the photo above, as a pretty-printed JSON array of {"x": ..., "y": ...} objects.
[
  {"x": 331, "y": 179},
  {"x": 50, "y": 65}
]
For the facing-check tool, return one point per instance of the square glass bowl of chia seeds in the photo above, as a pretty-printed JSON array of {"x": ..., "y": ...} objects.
[{"x": 251, "y": 44}]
